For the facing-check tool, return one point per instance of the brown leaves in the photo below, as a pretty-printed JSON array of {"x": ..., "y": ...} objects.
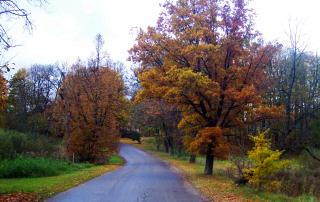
[
  {"x": 205, "y": 58},
  {"x": 244, "y": 95},
  {"x": 19, "y": 197},
  {"x": 210, "y": 135},
  {"x": 3, "y": 91},
  {"x": 89, "y": 111},
  {"x": 264, "y": 113}
]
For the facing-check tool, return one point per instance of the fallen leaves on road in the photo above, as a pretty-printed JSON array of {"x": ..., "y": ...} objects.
[{"x": 20, "y": 197}]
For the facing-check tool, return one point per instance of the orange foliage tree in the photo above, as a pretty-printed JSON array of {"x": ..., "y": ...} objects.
[
  {"x": 3, "y": 91},
  {"x": 88, "y": 111},
  {"x": 204, "y": 57}
]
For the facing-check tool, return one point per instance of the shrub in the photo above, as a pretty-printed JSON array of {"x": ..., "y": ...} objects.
[
  {"x": 24, "y": 166},
  {"x": 266, "y": 163},
  {"x": 6, "y": 147},
  {"x": 299, "y": 182},
  {"x": 133, "y": 135},
  {"x": 14, "y": 143},
  {"x": 302, "y": 179},
  {"x": 236, "y": 171},
  {"x": 309, "y": 162}
]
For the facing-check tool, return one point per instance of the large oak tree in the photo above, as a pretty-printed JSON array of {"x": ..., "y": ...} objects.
[{"x": 204, "y": 57}]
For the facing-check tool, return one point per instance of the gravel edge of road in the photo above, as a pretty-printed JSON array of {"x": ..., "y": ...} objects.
[{"x": 186, "y": 182}]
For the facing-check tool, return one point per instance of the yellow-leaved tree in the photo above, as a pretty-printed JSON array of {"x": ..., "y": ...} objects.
[{"x": 266, "y": 163}]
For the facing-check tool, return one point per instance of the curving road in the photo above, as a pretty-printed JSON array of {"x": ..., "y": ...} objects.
[{"x": 142, "y": 179}]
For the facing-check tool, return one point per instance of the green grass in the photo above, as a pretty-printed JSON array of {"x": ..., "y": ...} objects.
[
  {"x": 48, "y": 186},
  {"x": 116, "y": 160},
  {"x": 24, "y": 166}
]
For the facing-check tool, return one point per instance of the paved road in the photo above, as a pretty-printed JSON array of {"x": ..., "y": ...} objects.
[{"x": 142, "y": 179}]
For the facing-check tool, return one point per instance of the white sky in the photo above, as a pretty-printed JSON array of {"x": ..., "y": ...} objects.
[{"x": 64, "y": 29}]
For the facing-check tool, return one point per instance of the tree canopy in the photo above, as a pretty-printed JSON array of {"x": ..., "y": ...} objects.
[{"x": 205, "y": 57}]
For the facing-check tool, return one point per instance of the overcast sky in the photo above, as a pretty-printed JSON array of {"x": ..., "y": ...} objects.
[{"x": 64, "y": 30}]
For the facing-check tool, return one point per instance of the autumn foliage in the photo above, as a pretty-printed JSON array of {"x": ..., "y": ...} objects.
[
  {"x": 88, "y": 111},
  {"x": 266, "y": 163},
  {"x": 3, "y": 91},
  {"x": 214, "y": 136},
  {"x": 205, "y": 58}
]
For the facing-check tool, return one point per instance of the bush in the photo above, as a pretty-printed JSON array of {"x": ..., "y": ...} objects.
[
  {"x": 13, "y": 144},
  {"x": 236, "y": 171},
  {"x": 298, "y": 182},
  {"x": 309, "y": 162},
  {"x": 266, "y": 163},
  {"x": 302, "y": 179},
  {"x": 24, "y": 166},
  {"x": 6, "y": 147},
  {"x": 133, "y": 135}
]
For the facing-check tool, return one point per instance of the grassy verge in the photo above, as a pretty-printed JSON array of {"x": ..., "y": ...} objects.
[
  {"x": 116, "y": 160},
  {"x": 217, "y": 187},
  {"x": 25, "y": 166},
  {"x": 45, "y": 187}
]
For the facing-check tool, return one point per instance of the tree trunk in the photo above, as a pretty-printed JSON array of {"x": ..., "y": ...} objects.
[
  {"x": 171, "y": 145},
  {"x": 192, "y": 158},
  {"x": 166, "y": 138},
  {"x": 171, "y": 151},
  {"x": 166, "y": 146},
  {"x": 209, "y": 161}
]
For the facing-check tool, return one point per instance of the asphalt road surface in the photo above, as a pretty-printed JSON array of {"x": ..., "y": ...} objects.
[{"x": 142, "y": 179}]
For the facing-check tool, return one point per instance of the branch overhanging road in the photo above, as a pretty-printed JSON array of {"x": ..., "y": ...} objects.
[{"x": 143, "y": 178}]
